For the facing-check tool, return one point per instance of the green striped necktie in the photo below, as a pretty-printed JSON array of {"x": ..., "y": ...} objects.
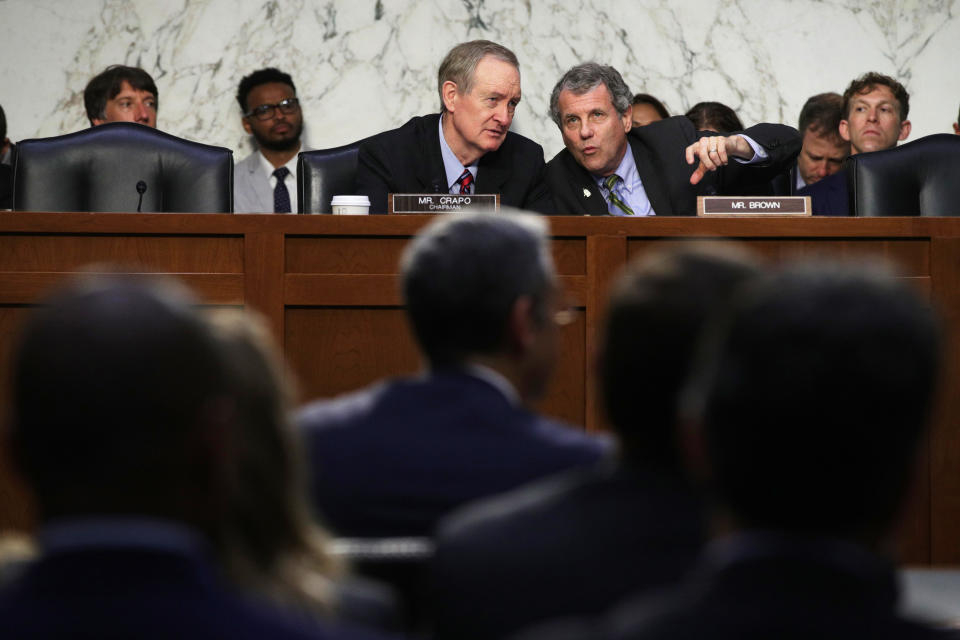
[{"x": 611, "y": 181}]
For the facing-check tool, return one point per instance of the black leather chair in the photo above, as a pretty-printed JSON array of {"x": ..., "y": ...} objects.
[
  {"x": 920, "y": 178},
  {"x": 105, "y": 168},
  {"x": 325, "y": 173}
]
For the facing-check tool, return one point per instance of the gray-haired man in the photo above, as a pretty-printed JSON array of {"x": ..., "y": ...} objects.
[
  {"x": 466, "y": 148},
  {"x": 595, "y": 174}
]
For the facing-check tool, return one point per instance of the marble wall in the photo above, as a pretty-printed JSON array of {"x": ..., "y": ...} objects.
[{"x": 363, "y": 66}]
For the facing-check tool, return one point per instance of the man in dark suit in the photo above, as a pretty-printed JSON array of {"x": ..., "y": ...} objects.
[
  {"x": 823, "y": 150},
  {"x": 482, "y": 299},
  {"x": 466, "y": 148},
  {"x": 874, "y": 118},
  {"x": 625, "y": 527},
  {"x": 611, "y": 168},
  {"x": 806, "y": 415},
  {"x": 121, "y": 425}
]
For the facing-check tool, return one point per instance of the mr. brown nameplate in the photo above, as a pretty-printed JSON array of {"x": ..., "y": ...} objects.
[
  {"x": 441, "y": 202},
  {"x": 755, "y": 206}
]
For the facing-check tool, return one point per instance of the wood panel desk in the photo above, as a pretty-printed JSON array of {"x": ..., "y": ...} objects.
[{"x": 328, "y": 285}]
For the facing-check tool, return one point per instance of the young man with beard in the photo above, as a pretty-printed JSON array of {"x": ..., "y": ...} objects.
[{"x": 266, "y": 180}]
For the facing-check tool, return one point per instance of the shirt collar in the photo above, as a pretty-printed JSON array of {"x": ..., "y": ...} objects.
[
  {"x": 451, "y": 165},
  {"x": 267, "y": 167},
  {"x": 627, "y": 170},
  {"x": 495, "y": 379}
]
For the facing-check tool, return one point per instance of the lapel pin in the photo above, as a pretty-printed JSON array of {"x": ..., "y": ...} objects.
[{"x": 586, "y": 193}]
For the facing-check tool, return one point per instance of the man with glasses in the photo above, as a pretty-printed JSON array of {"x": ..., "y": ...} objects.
[
  {"x": 266, "y": 180},
  {"x": 483, "y": 303}
]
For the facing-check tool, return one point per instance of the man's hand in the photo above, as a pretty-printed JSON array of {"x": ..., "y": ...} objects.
[{"x": 714, "y": 152}]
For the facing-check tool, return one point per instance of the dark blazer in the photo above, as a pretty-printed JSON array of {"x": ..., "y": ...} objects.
[
  {"x": 390, "y": 460},
  {"x": 785, "y": 184},
  {"x": 141, "y": 593},
  {"x": 570, "y": 545},
  {"x": 829, "y": 196},
  {"x": 788, "y": 594},
  {"x": 6, "y": 186},
  {"x": 658, "y": 150},
  {"x": 408, "y": 160}
]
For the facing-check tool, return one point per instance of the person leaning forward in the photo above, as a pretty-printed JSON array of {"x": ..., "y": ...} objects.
[
  {"x": 591, "y": 105},
  {"x": 466, "y": 148}
]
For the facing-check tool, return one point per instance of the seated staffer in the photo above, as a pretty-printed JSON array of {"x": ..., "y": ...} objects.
[
  {"x": 121, "y": 94},
  {"x": 647, "y": 109},
  {"x": 714, "y": 116},
  {"x": 266, "y": 180},
  {"x": 874, "y": 118},
  {"x": 468, "y": 147},
  {"x": 122, "y": 426},
  {"x": 823, "y": 150},
  {"x": 648, "y": 170},
  {"x": 630, "y": 526},
  {"x": 807, "y": 413},
  {"x": 481, "y": 297}
]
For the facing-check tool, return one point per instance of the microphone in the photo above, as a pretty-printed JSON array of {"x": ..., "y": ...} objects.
[
  {"x": 438, "y": 186},
  {"x": 141, "y": 189}
]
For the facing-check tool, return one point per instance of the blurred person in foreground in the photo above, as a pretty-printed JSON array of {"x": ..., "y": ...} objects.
[
  {"x": 269, "y": 542},
  {"x": 634, "y": 524},
  {"x": 123, "y": 426},
  {"x": 807, "y": 410},
  {"x": 484, "y": 304}
]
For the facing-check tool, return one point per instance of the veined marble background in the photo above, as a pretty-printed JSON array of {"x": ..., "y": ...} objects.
[{"x": 363, "y": 66}]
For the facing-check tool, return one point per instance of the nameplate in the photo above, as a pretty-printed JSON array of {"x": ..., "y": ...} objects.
[
  {"x": 753, "y": 206},
  {"x": 441, "y": 202}
]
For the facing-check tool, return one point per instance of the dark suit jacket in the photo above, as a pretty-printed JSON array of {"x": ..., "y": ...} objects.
[
  {"x": 6, "y": 186},
  {"x": 658, "y": 150},
  {"x": 788, "y": 594},
  {"x": 829, "y": 196},
  {"x": 569, "y": 545},
  {"x": 139, "y": 593},
  {"x": 391, "y": 459},
  {"x": 408, "y": 160},
  {"x": 785, "y": 184}
]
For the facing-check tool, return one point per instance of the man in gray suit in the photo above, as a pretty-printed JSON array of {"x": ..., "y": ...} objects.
[{"x": 266, "y": 180}]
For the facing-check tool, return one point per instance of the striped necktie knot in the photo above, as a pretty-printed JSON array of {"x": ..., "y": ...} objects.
[
  {"x": 611, "y": 183},
  {"x": 465, "y": 181}
]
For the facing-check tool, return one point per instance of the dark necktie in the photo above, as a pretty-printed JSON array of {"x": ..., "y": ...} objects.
[
  {"x": 281, "y": 197},
  {"x": 612, "y": 181},
  {"x": 465, "y": 180}
]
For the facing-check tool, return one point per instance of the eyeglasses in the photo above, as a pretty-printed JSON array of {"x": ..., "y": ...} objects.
[{"x": 267, "y": 111}]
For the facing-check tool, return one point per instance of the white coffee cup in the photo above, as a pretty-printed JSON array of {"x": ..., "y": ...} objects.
[{"x": 350, "y": 205}]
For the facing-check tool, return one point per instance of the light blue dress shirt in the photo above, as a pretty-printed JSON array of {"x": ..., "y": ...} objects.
[
  {"x": 453, "y": 167},
  {"x": 631, "y": 190}
]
